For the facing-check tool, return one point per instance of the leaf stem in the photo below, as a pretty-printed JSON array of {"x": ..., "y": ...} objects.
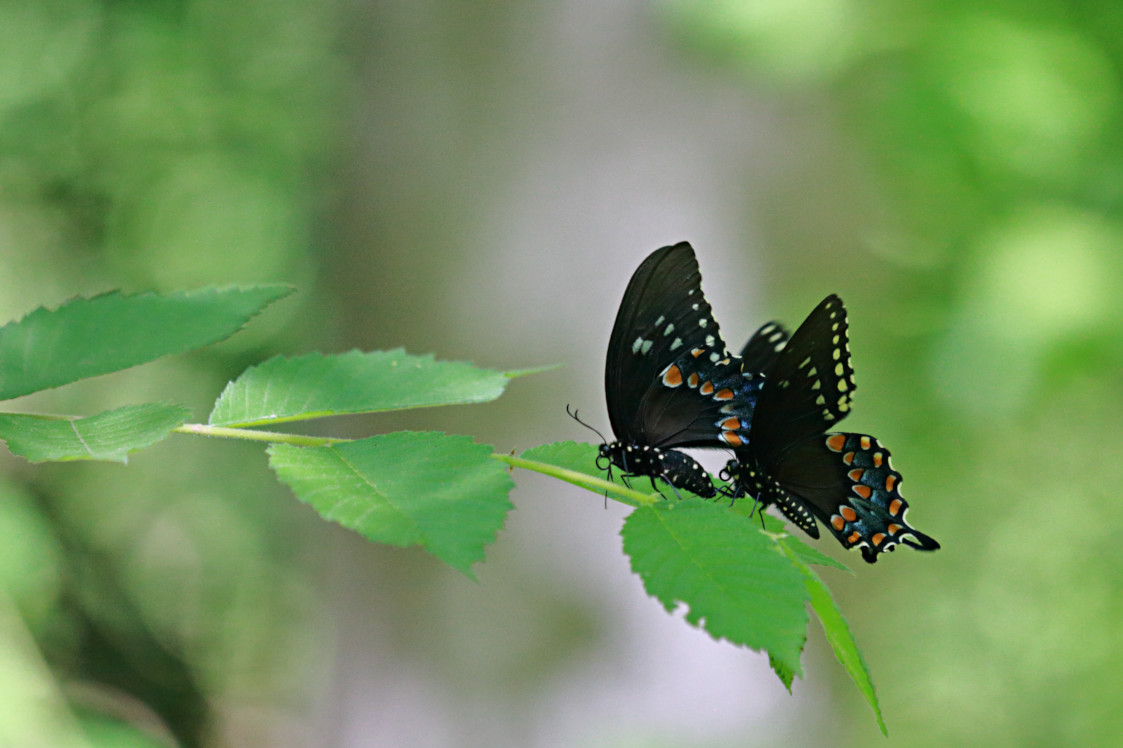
[
  {"x": 224, "y": 432},
  {"x": 623, "y": 494}
]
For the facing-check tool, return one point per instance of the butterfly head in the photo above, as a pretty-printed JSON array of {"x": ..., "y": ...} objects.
[{"x": 606, "y": 452}]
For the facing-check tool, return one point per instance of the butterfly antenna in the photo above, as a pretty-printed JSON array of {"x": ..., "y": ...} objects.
[{"x": 573, "y": 415}]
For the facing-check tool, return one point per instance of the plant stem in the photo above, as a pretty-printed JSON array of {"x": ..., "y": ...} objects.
[
  {"x": 621, "y": 493},
  {"x": 626, "y": 495},
  {"x": 223, "y": 432}
]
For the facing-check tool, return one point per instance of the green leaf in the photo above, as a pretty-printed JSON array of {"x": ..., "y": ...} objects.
[
  {"x": 841, "y": 640},
  {"x": 287, "y": 389},
  {"x": 444, "y": 493},
  {"x": 736, "y": 583},
  {"x": 107, "y": 436},
  {"x": 88, "y": 337},
  {"x": 578, "y": 457},
  {"x": 783, "y": 672},
  {"x": 34, "y": 711},
  {"x": 809, "y": 555},
  {"x": 805, "y": 553}
]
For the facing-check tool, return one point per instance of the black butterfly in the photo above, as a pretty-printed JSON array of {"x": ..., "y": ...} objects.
[
  {"x": 842, "y": 479},
  {"x": 668, "y": 378}
]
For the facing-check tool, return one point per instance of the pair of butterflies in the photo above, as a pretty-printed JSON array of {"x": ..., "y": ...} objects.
[{"x": 671, "y": 383}]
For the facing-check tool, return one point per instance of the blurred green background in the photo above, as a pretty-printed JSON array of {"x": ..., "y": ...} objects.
[{"x": 479, "y": 182}]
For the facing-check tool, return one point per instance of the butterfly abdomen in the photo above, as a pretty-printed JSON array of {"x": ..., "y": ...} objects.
[{"x": 679, "y": 469}]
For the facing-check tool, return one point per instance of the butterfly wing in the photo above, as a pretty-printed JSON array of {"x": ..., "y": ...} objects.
[
  {"x": 665, "y": 347},
  {"x": 732, "y": 384},
  {"x": 809, "y": 385},
  {"x": 844, "y": 480},
  {"x": 847, "y": 482},
  {"x": 763, "y": 348}
]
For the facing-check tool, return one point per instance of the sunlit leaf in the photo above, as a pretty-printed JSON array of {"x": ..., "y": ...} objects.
[
  {"x": 33, "y": 709},
  {"x": 88, "y": 337},
  {"x": 731, "y": 576},
  {"x": 286, "y": 389},
  {"x": 444, "y": 493},
  {"x": 107, "y": 436}
]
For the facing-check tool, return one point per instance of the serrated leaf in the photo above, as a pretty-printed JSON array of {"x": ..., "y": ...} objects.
[
  {"x": 86, "y": 337},
  {"x": 107, "y": 436},
  {"x": 315, "y": 385},
  {"x": 783, "y": 672},
  {"x": 444, "y": 493},
  {"x": 841, "y": 640},
  {"x": 735, "y": 582}
]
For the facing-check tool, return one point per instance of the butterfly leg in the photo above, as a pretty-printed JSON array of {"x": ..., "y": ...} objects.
[
  {"x": 668, "y": 482},
  {"x": 758, "y": 510}
]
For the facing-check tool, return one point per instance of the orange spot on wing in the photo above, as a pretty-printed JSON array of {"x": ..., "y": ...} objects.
[
  {"x": 731, "y": 424},
  {"x": 707, "y": 388},
  {"x": 854, "y": 537},
  {"x": 732, "y": 439},
  {"x": 890, "y": 481},
  {"x": 895, "y": 507},
  {"x": 673, "y": 376},
  {"x": 725, "y": 394},
  {"x": 848, "y": 458},
  {"x": 838, "y": 523},
  {"x": 894, "y": 529},
  {"x": 692, "y": 380},
  {"x": 863, "y": 491},
  {"x": 865, "y": 442},
  {"x": 877, "y": 539},
  {"x": 877, "y": 458},
  {"x": 848, "y": 514},
  {"x": 856, "y": 474},
  {"x": 697, "y": 352},
  {"x": 836, "y": 442}
]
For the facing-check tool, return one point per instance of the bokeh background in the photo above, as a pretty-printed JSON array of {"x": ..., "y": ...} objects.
[{"x": 479, "y": 181}]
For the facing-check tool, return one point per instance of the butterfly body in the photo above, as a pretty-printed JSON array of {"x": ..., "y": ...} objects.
[{"x": 678, "y": 469}]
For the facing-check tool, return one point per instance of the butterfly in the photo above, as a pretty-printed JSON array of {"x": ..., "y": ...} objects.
[
  {"x": 669, "y": 380},
  {"x": 788, "y": 459}
]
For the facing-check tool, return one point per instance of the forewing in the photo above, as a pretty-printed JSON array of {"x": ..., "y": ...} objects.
[
  {"x": 809, "y": 386},
  {"x": 763, "y": 348},
  {"x": 662, "y": 318},
  {"x": 701, "y": 403}
]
